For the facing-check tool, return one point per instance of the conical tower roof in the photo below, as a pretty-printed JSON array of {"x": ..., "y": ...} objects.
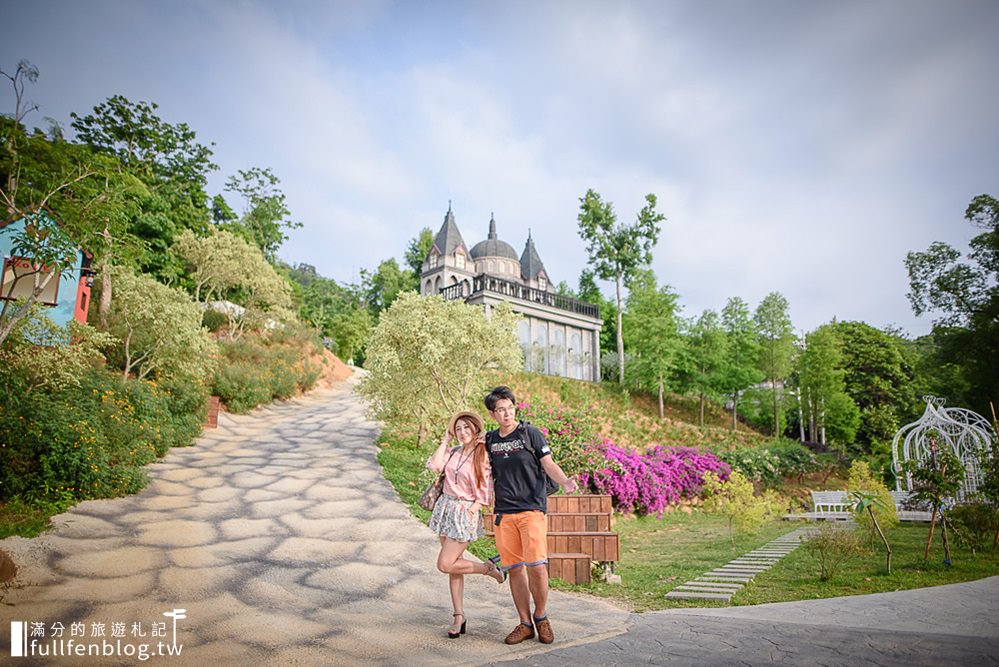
[
  {"x": 530, "y": 262},
  {"x": 448, "y": 239}
]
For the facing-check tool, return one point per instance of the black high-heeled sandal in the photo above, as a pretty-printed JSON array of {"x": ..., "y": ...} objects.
[{"x": 455, "y": 635}]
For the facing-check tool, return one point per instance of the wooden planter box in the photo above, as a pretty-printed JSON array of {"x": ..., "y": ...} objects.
[{"x": 570, "y": 568}]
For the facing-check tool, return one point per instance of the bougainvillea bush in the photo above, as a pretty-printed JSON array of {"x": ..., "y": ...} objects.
[
  {"x": 571, "y": 433},
  {"x": 651, "y": 481}
]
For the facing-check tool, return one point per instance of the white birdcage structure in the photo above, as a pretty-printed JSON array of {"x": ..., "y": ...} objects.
[{"x": 968, "y": 434}]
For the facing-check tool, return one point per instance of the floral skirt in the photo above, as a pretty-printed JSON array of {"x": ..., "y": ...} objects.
[{"x": 450, "y": 518}]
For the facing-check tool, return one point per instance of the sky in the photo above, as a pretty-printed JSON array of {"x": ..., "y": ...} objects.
[{"x": 794, "y": 146}]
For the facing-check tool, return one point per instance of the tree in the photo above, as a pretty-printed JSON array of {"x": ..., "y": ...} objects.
[
  {"x": 825, "y": 405},
  {"x": 87, "y": 195},
  {"x": 965, "y": 297},
  {"x": 706, "y": 350},
  {"x": 383, "y": 286},
  {"x": 739, "y": 367},
  {"x": 225, "y": 266},
  {"x": 653, "y": 333},
  {"x": 146, "y": 344},
  {"x": 590, "y": 293},
  {"x": 879, "y": 378},
  {"x": 617, "y": 251},
  {"x": 265, "y": 212},
  {"x": 429, "y": 358},
  {"x": 417, "y": 251},
  {"x": 776, "y": 343},
  {"x": 336, "y": 310},
  {"x": 169, "y": 162}
]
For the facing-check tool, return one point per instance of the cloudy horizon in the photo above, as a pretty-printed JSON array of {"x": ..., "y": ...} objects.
[{"x": 796, "y": 147}]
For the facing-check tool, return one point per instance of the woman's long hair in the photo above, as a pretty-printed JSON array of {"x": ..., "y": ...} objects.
[{"x": 479, "y": 458}]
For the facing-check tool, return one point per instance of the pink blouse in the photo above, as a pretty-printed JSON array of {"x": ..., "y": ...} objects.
[{"x": 459, "y": 477}]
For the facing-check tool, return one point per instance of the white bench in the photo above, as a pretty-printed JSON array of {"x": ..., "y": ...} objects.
[{"x": 825, "y": 502}]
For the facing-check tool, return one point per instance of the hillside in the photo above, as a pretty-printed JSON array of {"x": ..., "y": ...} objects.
[{"x": 633, "y": 420}]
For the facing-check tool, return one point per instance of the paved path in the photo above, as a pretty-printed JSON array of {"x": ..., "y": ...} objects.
[
  {"x": 279, "y": 536},
  {"x": 285, "y": 545}
]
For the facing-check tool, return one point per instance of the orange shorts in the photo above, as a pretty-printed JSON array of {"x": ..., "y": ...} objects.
[{"x": 522, "y": 539}]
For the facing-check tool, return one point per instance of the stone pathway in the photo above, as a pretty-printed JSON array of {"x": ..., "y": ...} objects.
[
  {"x": 721, "y": 584},
  {"x": 283, "y": 543}
]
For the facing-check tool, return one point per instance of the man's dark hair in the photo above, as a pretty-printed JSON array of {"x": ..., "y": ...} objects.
[{"x": 496, "y": 394}]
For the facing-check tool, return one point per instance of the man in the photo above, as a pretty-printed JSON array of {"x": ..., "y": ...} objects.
[{"x": 520, "y": 457}]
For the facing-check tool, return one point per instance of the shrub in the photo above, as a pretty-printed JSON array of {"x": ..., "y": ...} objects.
[
  {"x": 87, "y": 441},
  {"x": 771, "y": 464},
  {"x": 734, "y": 498},
  {"x": 256, "y": 369},
  {"x": 652, "y": 481},
  {"x": 831, "y": 547},
  {"x": 570, "y": 432},
  {"x": 975, "y": 524}
]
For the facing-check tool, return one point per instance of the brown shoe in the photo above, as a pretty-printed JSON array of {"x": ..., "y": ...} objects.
[
  {"x": 545, "y": 633},
  {"x": 519, "y": 634}
]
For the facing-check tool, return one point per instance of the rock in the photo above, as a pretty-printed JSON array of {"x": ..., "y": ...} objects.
[{"x": 8, "y": 569}]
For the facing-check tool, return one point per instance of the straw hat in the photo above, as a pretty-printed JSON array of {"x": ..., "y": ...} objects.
[{"x": 475, "y": 418}]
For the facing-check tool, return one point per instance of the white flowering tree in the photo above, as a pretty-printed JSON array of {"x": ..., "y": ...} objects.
[{"x": 428, "y": 358}]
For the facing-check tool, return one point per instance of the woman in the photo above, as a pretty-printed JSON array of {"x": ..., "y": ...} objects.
[{"x": 456, "y": 518}]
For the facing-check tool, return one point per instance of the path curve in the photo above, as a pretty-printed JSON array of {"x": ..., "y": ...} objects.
[{"x": 282, "y": 541}]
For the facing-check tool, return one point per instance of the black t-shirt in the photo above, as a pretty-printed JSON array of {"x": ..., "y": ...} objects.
[{"x": 518, "y": 478}]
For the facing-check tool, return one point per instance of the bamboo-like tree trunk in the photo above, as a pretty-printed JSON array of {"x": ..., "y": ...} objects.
[
  {"x": 620, "y": 334},
  {"x": 883, "y": 538}
]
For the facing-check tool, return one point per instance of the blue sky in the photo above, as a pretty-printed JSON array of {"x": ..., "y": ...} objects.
[{"x": 799, "y": 147}]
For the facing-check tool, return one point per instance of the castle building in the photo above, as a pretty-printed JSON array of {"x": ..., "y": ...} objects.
[{"x": 559, "y": 335}]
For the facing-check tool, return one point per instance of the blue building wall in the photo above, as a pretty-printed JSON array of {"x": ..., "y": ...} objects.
[{"x": 69, "y": 279}]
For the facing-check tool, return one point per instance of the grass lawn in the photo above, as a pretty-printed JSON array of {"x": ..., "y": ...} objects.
[{"x": 658, "y": 555}]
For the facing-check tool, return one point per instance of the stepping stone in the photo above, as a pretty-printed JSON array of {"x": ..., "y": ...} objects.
[
  {"x": 721, "y": 577},
  {"x": 712, "y": 584},
  {"x": 741, "y": 568},
  {"x": 698, "y": 589},
  {"x": 699, "y": 596}
]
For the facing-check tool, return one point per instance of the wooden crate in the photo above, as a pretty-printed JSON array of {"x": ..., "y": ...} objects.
[
  {"x": 600, "y": 546},
  {"x": 582, "y": 504},
  {"x": 570, "y": 568},
  {"x": 564, "y": 523}
]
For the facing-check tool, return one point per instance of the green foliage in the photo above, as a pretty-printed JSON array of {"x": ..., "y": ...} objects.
[
  {"x": 739, "y": 369},
  {"x": 825, "y": 405},
  {"x": 158, "y": 330},
  {"x": 223, "y": 265},
  {"x": 257, "y": 369},
  {"x": 769, "y": 465},
  {"x": 705, "y": 359},
  {"x": 618, "y": 251},
  {"x": 653, "y": 335},
  {"x": 383, "y": 286},
  {"x": 878, "y": 377},
  {"x": 429, "y": 358},
  {"x": 89, "y": 440},
  {"x": 974, "y": 524},
  {"x": 775, "y": 336},
  {"x": 881, "y": 502},
  {"x": 965, "y": 297},
  {"x": 265, "y": 212},
  {"x": 736, "y": 500},
  {"x": 832, "y": 546},
  {"x": 937, "y": 478},
  {"x": 570, "y": 431},
  {"x": 38, "y": 351},
  {"x": 337, "y": 311},
  {"x": 169, "y": 162}
]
